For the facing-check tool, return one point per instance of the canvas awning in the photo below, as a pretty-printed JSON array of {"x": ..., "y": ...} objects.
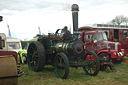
[{"x": 34, "y": 39}]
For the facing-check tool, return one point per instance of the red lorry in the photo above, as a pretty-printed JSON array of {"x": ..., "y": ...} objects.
[
  {"x": 97, "y": 41},
  {"x": 115, "y": 33}
]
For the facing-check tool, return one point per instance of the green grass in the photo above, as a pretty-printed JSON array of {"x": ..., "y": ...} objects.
[
  {"x": 125, "y": 57},
  {"x": 76, "y": 77}
]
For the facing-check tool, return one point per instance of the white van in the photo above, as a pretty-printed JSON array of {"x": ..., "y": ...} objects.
[
  {"x": 13, "y": 44},
  {"x": 10, "y": 43}
]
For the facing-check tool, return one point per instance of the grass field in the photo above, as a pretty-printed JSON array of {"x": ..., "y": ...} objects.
[{"x": 76, "y": 77}]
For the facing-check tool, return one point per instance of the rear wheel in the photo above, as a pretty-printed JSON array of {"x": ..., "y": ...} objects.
[
  {"x": 92, "y": 64},
  {"x": 36, "y": 56},
  {"x": 61, "y": 66}
]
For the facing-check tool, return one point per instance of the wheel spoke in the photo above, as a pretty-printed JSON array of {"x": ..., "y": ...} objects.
[
  {"x": 32, "y": 62},
  {"x": 90, "y": 70},
  {"x": 94, "y": 67},
  {"x": 60, "y": 59}
]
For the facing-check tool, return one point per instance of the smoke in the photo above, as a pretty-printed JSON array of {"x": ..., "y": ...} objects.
[{"x": 67, "y": 5}]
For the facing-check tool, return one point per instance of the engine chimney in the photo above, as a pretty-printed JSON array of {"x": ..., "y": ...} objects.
[{"x": 75, "y": 9}]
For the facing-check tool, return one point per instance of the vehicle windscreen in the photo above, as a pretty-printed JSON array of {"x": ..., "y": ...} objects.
[
  {"x": 14, "y": 45},
  {"x": 99, "y": 37},
  {"x": 104, "y": 36}
]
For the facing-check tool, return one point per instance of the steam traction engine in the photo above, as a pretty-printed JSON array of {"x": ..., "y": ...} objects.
[{"x": 62, "y": 50}]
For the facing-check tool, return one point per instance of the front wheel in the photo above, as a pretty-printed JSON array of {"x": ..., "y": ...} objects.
[
  {"x": 61, "y": 66},
  {"x": 92, "y": 63},
  {"x": 104, "y": 57},
  {"x": 105, "y": 61}
]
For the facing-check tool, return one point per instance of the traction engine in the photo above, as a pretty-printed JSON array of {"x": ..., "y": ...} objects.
[{"x": 62, "y": 50}]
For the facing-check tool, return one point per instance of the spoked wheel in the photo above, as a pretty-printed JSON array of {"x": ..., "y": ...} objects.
[
  {"x": 61, "y": 66},
  {"x": 36, "y": 56},
  {"x": 104, "y": 57},
  {"x": 104, "y": 61},
  {"x": 92, "y": 64}
]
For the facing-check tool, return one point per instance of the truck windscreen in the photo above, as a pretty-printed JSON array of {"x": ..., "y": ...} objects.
[{"x": 100, "y": 36}]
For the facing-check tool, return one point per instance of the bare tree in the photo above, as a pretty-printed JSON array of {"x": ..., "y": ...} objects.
[
  {"x": 125, "y": 20},
  {"x": 118, "y": 20}
]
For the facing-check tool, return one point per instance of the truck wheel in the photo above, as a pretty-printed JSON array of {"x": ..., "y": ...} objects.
[
  {"x": 92, "y": 63},
  {"x": 117, "y": 61},
  {"x": 61, "y": 66},
  {"x": 36, "y": 56},
  {"x": 120, "y": 61},
  {"x": 104, "y": 58}
]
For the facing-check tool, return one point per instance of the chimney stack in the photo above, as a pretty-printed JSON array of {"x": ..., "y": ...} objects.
[{"x": 75, "y": 9}]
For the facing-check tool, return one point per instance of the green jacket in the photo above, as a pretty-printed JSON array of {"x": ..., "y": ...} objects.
[{"x": 20, "y": 54}]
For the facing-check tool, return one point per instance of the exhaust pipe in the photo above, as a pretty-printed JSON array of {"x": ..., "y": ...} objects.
[{"x": 75, "y": 9}]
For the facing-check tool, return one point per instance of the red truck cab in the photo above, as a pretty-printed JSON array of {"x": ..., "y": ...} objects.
[{"x": 97, "y": 41}]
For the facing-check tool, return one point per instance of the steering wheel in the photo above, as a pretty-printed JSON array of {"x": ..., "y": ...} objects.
[{"x": 57, "y": 32}]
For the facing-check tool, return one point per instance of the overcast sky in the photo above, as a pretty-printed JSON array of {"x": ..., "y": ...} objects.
[{"x": 24, "y": 16}]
